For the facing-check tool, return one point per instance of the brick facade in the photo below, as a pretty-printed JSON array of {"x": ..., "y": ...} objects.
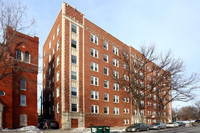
[
  {"x": 13, "y": 108},
  {"x": 77, "y": 109}
]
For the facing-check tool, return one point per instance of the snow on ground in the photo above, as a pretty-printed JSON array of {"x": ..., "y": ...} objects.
[
  {"x": 28, "y": 129},
  {"x": 88, "y": 130}
]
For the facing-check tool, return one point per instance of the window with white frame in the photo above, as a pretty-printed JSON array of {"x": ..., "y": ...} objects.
[
  {"x": 94, "y": 95},
  {"x": 115, "y": 99},
  {"x": 57, "y": 92},
  {"x": 106, "y": 110},
  {"x": 58, "y": 45},
  {"x": 135, "y": 112},
  {"x": 73, "y": 91},
  {"x": 57, "y": 76},
  {"x": 124, "y": 121},
  {"x": 116, "y": 74},
  {"x": 95, "y": 109},
  {"x": 27, "y": 57},
  {"x": 94, "y": 80},
  {"x": 49, "y": 57},
  {"x": 23, "y": 100},
  {"x": 124, "y": 88},
  {"x": 127, "y": 121},
  {"x": 127, "y": 111},
  {"x": 115, "y": 50},
  {"x": 124, "y": 110},
  {"x": 142, "y": 103},
  {"x": 105, "y": 70},
  {"x": 106, "y": 84},
  {"x": 53, "y": 36},
  {"x": 22, "y": 84},
  {"x": 105, "y": 45},
  {"x": 127, "y": 100},
  {"x": 106, "y": 97},
  {"x": 116, "y": 86},
  {"x": 94, "y": 39},
  {"x": 23, "y": 120},
  {"x": 73, "y": 75},
  {"x": 149, "y": 103},
  {"x": 58, "y": 108},
  {"x": 154, "y": 97},
  {"x": 58, "y": 60},
  {"x": 58, "y": 29},
  {"x": 142, "y": 112},
  {"x": 73, "y": 28},
  {"x": 94, "y": 52},
  {"x": 74, "y": 107},
  {"x": 115, "y": 62},
  {"x": 94, "y": 67},
  {"x": 116, "y": 111},
  {"x": 149, "y": 112},
  {"x": 73, "y": 43},
  {"x": 74, "y": 59},
  {"x": 105, "y": 58},
  {"x": 49, "y": 44},
  {"x": 154, "y": 105},
  {"x": 149, "y": 121},
  {"x": 124, "y": 99}
]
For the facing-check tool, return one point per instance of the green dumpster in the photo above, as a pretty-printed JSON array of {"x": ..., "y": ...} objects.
[{"x": 100, "y": 129}]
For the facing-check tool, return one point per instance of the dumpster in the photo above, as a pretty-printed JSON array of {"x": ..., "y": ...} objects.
[{"x": 100, "y": 129}]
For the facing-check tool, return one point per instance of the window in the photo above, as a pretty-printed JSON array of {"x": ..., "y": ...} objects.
[
  {"x": 58, "y": 76},
  {"x": 115, "y": 50},
  {"x": 124, "y": 99},
  {"x": 94, "y": 39},
  {"x": 23, "y": 100},
  {"x": 49, "y": 57},
  {"x": 58, "y": 45},
  {"x": 127, "y": 111},
  {"x": 58, "y": 29},
  {"x": 116, "y": 99},
  {"x": 149, "y": 103},
  {"x": 49, "y": 70},
  {"x": 116, "y": 74},
  {"x": 105, "y": 58},
  {"x": 73, "y": 43},
  {"x": 74, "y": 28},
  {"x": 154, "y": 105},
  {"x": 49, "y": 110},
  {"x": 127, "y": 100},
  {"x": 142, "y": 112},
  {"x": 27, "y": 57},
  {"x": 124, "y": 88},
  {"x": 74, "y": 107},
  {"x": 53, "y": 36},
  {"x": 106, "y": 110},
  {"x": 95, "y": 109},
  {"x": 124, "y": 110},
  {"x": 106, "y": 97},
  {"x": 94, "y": 67},
  {"x": 49, "y": 97},
  {"x": 94, "y": 52},
  {"x": 73, "y": 91},
  {"x": 105, "y": 45},
  {"x": 116, "y": 86},
  {"x": 57, "y": 92},
  {"x": 116, "y": 111},
  {"x": 58, "y": 60},
  {"x": 124, "y": 121},
  {"x": 52, "y": 65},
  {"x": 135, "y": 112},
  {"x": 73, "y": 75},
  {"x": 115, "y": 62},
  {"x": 127, "y": 121},
  {"x": 94, "y": 81},
  {"x": 18, "y": 54},
  {"x": 23, "y": 84},
  {"x": 105, "y": 70},
  {"x": 49, "y": 44},
  {"x": 58, "y": 108},
  {"x": 94, "y": 95},
  {"x": 154, "y": 97},
  {"x": 106, "y": 84},
  {"x": 73, "y": 59},
  {"x": 142, "y": 103}
]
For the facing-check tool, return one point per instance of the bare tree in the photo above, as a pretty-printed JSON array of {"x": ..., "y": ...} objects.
[
  {"x": 197, "y": 105},
  {"x": 13, "y": 19},
  {"x": 188, "y": 113},
  {"x": 154, "y": 77}
]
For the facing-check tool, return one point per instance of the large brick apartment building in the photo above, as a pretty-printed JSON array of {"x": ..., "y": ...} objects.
[
  {"x": 79, "y": 59},
  {"x": 18, "y": 106}
]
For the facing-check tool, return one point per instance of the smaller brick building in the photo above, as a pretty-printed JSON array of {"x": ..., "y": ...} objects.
[{"x": 18, "y": 107}]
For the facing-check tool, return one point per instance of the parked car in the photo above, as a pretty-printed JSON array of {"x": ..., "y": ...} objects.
[
  {"x": 46, "y": 124},
  {"x": 137, "y": 127},
  {"x": 157, "y": 126},
  {"x": 181, "y": 124},
  {"x": 172, "y": 124}
]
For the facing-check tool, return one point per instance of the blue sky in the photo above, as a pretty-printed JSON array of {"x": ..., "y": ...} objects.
[{"x": 169, "y": 24}]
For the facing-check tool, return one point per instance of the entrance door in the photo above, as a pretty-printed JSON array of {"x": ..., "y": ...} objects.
[{"x": 74, "y": 123}]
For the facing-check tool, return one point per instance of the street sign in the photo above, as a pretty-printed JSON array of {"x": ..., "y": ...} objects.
[{"x": 2, "y": 93}]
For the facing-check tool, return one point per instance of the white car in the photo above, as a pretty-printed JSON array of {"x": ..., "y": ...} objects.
[{"x": 172, "y": 124}]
